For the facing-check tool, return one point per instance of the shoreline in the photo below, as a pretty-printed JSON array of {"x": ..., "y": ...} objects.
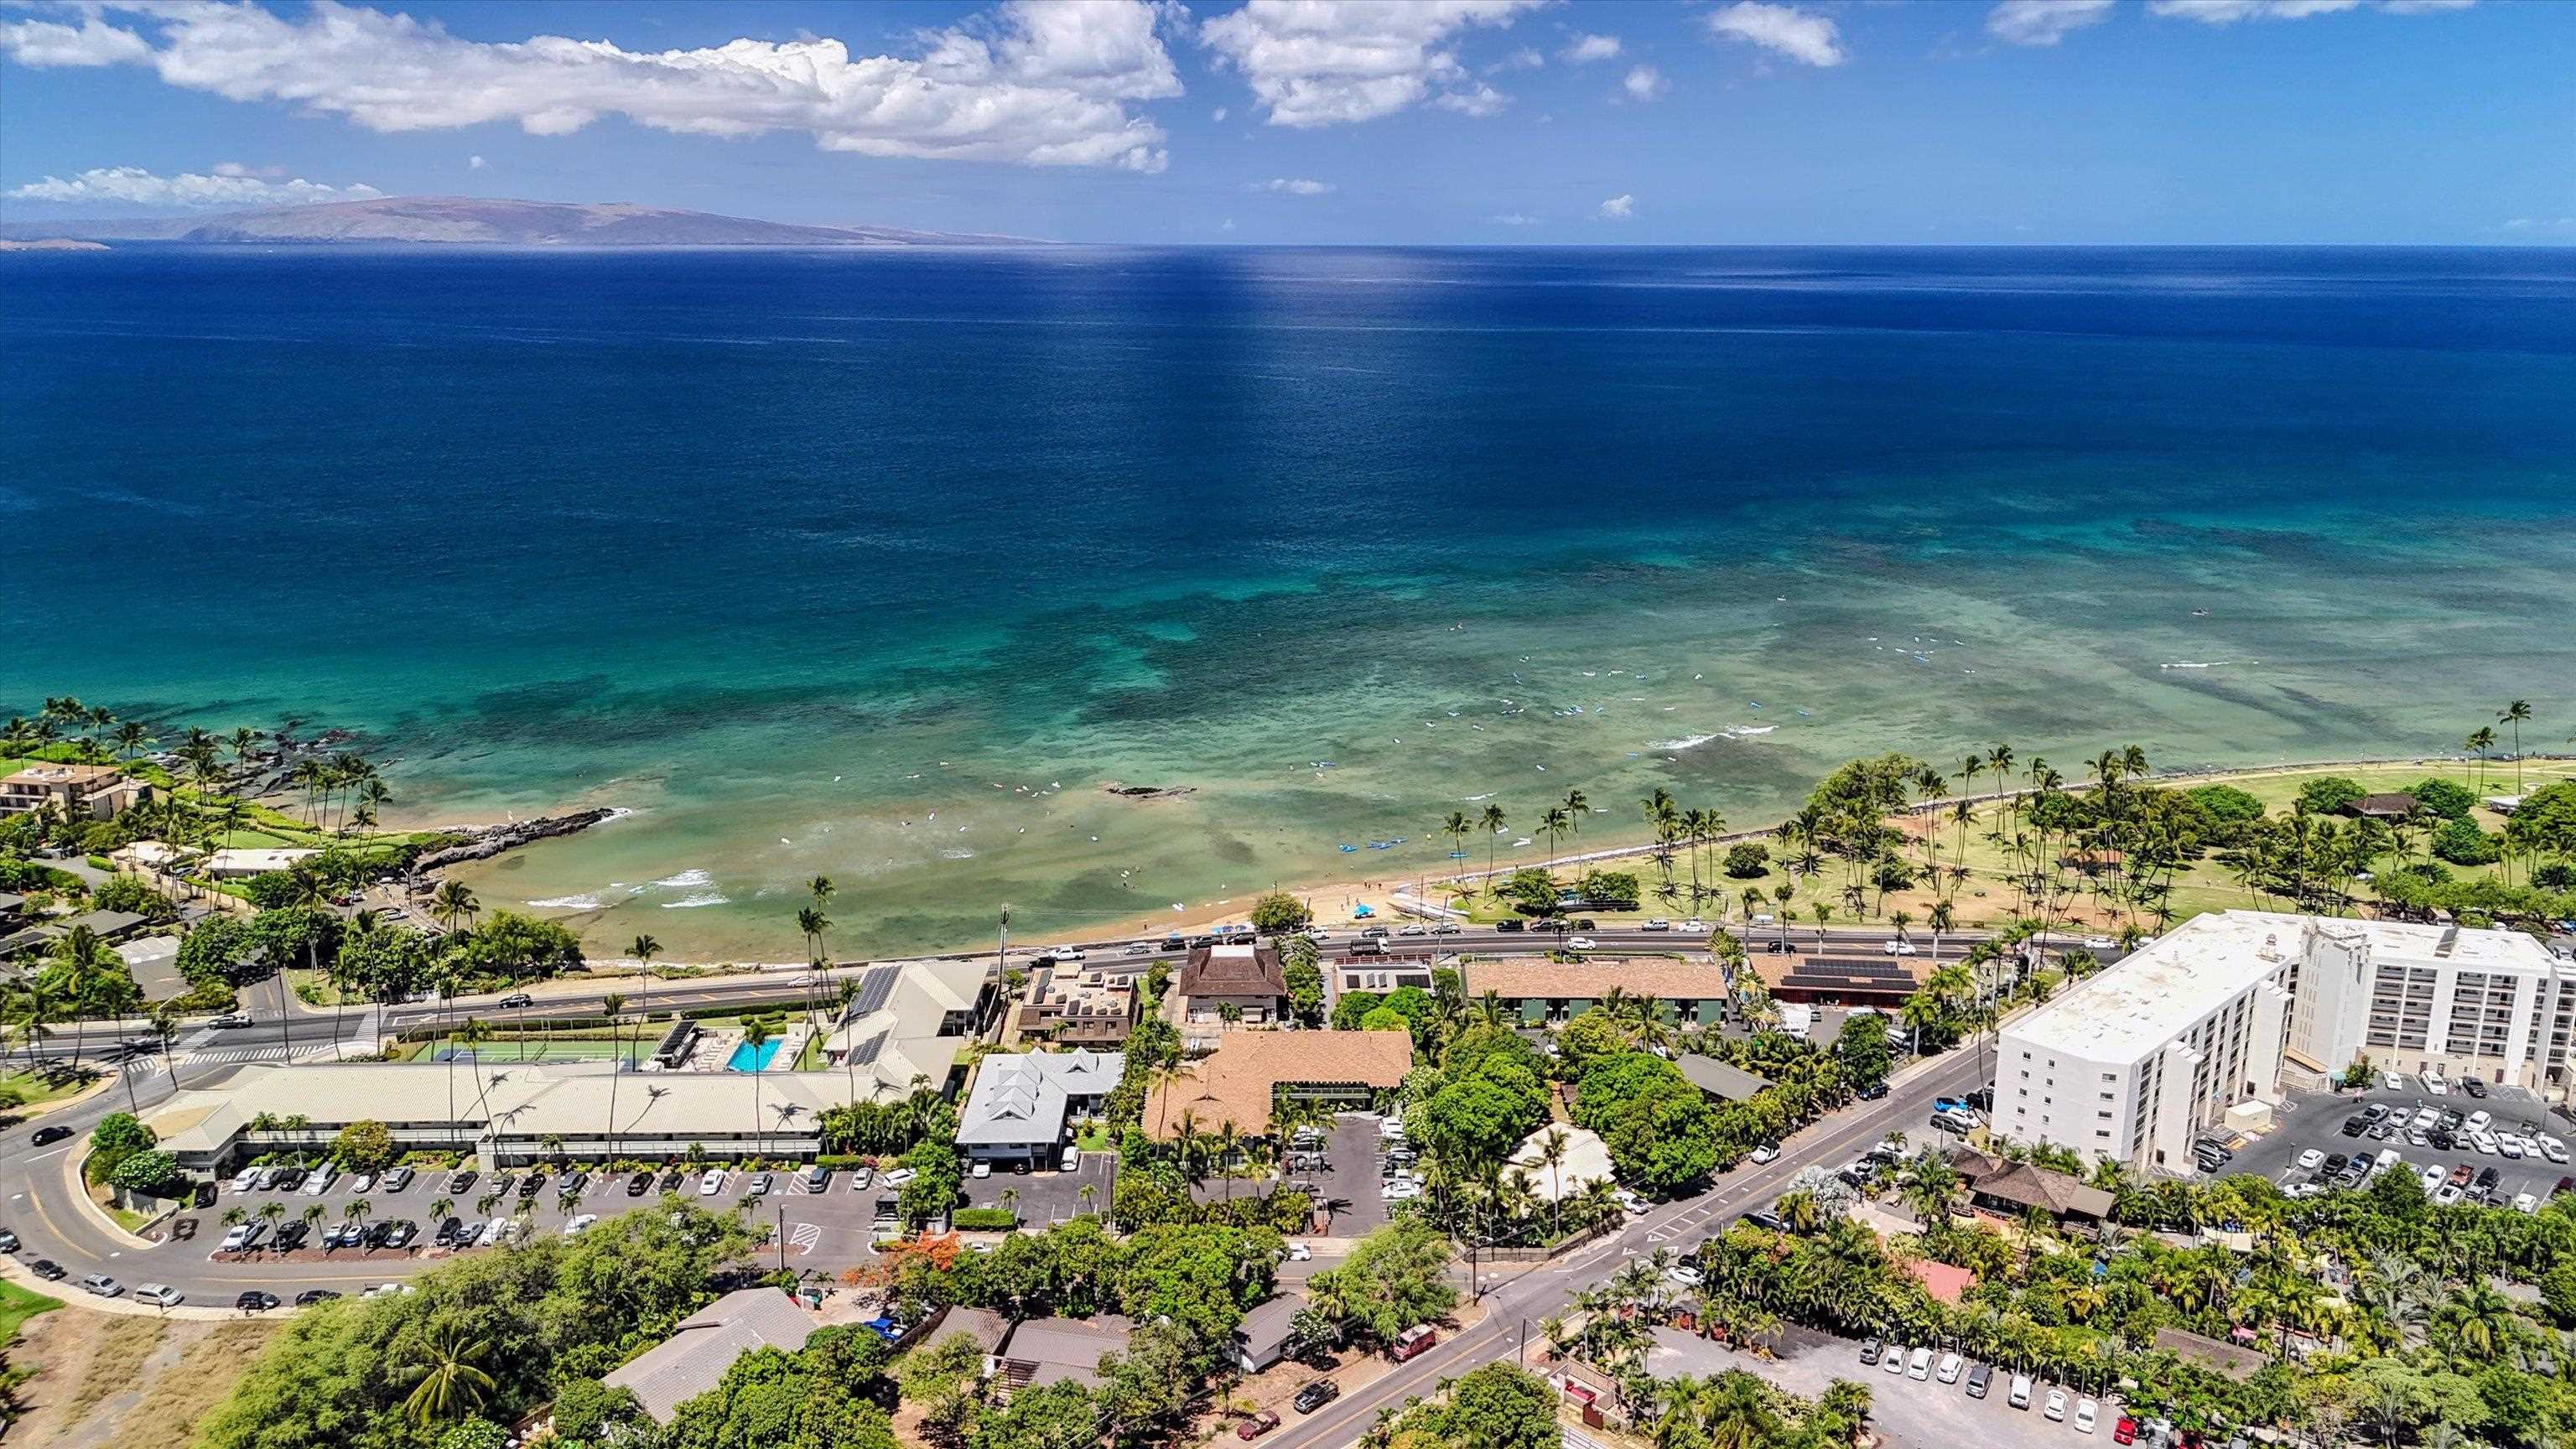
[{"x": 1379, "y": 891}]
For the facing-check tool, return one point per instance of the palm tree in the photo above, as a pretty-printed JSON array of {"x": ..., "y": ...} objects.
[
  {"x": 92, "y": 978},
  {"x": 1551, "y": 1151},
  {"x": 2514, "y": 714},
  {"x": 1491, "y": 821},
  {"x": 1555, "y": 822},
  {"x": 644, "y": 949},
  {"x": 2478, "y": 744},
  {"x": 454, "y": 901},
  {"x": 1456, "y": 828},
  {"x": 614, "y": 1004},
  {"x": 755, "y": 1033},
  {"x": 453, "y": 1383}
]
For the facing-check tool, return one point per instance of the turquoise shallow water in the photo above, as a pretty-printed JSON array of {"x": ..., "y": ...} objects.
[{"x": 886, "y": 566}]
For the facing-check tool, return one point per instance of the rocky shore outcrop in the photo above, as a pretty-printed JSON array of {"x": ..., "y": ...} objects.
[{"x": 487, "y": 841}]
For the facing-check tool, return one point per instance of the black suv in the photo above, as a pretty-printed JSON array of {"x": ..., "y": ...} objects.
[
  {"x": 672, "y": 1177},
  {"x": 2352, "y": 1127},
  {"x": 536, "y": 1183},
  {"x": 448, "y": 1228},
  {"x": 640, "y": 1184},
  {"x": 311, "y": 1296},
  {"x": 255, "y": 1301},
  {"x": 290, "y": 1236},
  {"x": 47, "y": 1269},
  {"x": 1316, "y": 1395}
]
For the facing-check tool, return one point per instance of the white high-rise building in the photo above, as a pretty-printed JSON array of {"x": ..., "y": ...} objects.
[
  {"x": 2490, "y": 1004},
  {"x": 2132, "y": 1064}
]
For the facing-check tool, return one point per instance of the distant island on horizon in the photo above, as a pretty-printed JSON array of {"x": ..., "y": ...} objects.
[{"x": 483, "y": 221}]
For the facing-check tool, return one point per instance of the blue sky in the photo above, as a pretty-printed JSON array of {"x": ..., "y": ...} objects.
[{"x": 1435, "y": 121}]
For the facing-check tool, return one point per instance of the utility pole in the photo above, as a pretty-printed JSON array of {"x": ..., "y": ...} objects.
[{"x": 782, "y": 1237}]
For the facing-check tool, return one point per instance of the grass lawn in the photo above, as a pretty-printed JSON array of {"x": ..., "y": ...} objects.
[
  {"x": 17, "y": 1305},
  {"x": 26, "y": 1090},
  {"x": 1987, "y": 899}
]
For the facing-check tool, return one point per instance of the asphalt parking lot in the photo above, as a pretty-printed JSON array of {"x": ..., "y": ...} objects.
[
  {"x": 1045, "y": 1194},
  {"x": 1907, "y": 1413},
  {"x": 2313, "y": 1121}
]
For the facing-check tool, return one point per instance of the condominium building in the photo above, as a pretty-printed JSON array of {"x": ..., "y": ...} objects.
[
  {"x": 2489, "y": 1004},
  {"x": 80, "y": 792},
  {"x": 2132, "y": 1064}
]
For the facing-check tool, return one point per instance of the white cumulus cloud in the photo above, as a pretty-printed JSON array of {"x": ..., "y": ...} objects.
[
  {"x": 1037, "y": 82},
  {"x": 1586, "y": 48},
  {"x": 2229, "y": 12},
  {"x": 1310, "y": 63},
  {"x": 93, "y": 42},
  {"x": 1292, "y": 185},
  {"x": 1516, "y": 218},
  {"x": 2043, "y": 22},
  {"x": 1618, "y": 208},
  {"x": 231, "y": 185},
  {"x": 475, "y": 163},
  {"x": 1801, "y": 35},
  {"x": 1643, "y": 83}
]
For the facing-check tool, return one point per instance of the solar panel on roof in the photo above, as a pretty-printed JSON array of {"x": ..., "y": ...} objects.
[
  {"x": 865, "y": 1053},
  {"x": 874, "y": 988}
]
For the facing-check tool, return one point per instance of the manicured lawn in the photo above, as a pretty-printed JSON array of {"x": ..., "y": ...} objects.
[
  {"x": 26, "y": 1090},
  {"x": 1987, "y": 898}
]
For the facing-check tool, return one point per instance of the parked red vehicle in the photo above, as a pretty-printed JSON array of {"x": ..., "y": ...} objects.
[
  {"x": 1256, "y": 1426},
  {"x": 2125, "y": 1431},
  {"x": 1412, "y": 1341}
]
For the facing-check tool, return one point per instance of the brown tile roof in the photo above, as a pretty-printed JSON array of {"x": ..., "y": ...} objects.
[
  {"x": 1232, "y": 970},
  {"x": 1637, "y": 975},
  {"x": 2056, "y": 1193},
  {"x": 1235, "y": 1083},
  {"x": 2397, "y": 805}
]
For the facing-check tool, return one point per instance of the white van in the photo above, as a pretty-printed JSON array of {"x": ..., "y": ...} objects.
[
  {"x": 1921, "y": 1365},
  {"x": 321, "y": 1180},
  {"x": 2388, "y": 1158},
  {"x": 2020, "y": 1398}
]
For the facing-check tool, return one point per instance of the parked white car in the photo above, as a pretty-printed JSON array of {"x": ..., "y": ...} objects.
[
  {"x": 2056, "y": 1404},
  {"x": 712, "y": 1183},
  {"x": 1764, "y": 1154},
  {"x": 321, "y": 1180},
  {"x": 2086, "y": 1412},
  {"x": 2309, "y": 1159},
  {"x": 1300, "y": 1252},
  {"x": 2480, "y": 1121},
  {"x": 2554, "y": 1150},
  {"x": 246, "y": 1179},
  {"x": 2393, "y": 1081},
  {"x": 1919, "y": 1366},
  {"x": 160, "y": 1295},
  {"x": 580, "y": 1225},
  {"x": 2524, "y": 1202},
  {"x": 1949, "y": 1370}
]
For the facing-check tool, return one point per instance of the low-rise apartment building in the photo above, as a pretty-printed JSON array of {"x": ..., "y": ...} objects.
[{"x": 80, "y": 792}]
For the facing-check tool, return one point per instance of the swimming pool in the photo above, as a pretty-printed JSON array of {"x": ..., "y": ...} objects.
[{"x": 745, "y": 1059}]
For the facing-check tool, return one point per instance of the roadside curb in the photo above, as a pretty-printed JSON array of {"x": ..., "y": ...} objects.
[
  {"x": 78, "y": 1186},
  {"x": 16, "y": 1274}
]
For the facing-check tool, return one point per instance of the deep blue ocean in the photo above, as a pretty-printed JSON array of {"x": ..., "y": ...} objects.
[{"x": 790, "y": 550}]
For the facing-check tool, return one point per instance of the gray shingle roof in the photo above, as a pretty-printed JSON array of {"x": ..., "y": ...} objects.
[{"x": 694, "y": 1358}]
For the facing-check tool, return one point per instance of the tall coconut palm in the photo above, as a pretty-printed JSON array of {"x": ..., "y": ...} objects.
[
  {"x": 614, "y": 1005},
  {"x": 2478, "y": 744},
  {"x": 644, "y": 949},
  {"x": 1491, "y": 821},
  {"x": 90, "y": 975},
  {"x": 452, "y": 1382},
  {"x": 1555, "y": 822},
  {"x": 1456, "y": 828},
  {"x": 2514, "y": 714},
  {"x": 756, "y": 1034}
]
